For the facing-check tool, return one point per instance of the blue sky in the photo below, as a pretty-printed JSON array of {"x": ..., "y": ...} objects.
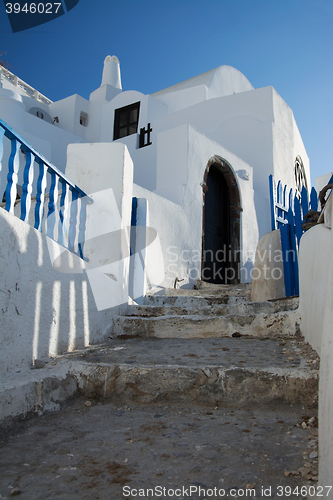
[{"x": 283, "y": 43}]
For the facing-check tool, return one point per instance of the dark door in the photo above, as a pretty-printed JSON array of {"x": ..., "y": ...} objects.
[{"x": 216, "y": 228}]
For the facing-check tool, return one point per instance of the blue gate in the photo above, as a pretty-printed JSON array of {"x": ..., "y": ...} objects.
[{"x": 287, "y": 214}]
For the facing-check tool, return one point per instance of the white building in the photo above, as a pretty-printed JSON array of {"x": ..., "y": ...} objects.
[
  {"x": 202, "y": 152},
  {"x": 213, "y": 131}
]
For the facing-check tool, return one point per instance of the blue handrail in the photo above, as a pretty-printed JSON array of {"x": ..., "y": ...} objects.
[
  {"x": 39, "y": 158},
  {"x": 31, "y": 156}
]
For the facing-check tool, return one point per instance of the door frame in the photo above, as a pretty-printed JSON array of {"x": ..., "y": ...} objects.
[{"x": 235, "y": 211}]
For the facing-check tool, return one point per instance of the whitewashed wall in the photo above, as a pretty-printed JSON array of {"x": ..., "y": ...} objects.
[
  {"x": 105, "y": 172},
  {"x": 168, "y": 220},
  {"x": 287, "y": 143},
  {"x": 44, "y": 312},
  {"x": 316, "y": 300},
  {"x": 144, "y": 159},
  {"x": 256, "y": 125},
  {"x": 176, "y": 210},
  {"x": 52, "y": 301},
  {"x": 218, "y": 82},
  {"x": 314, "y": 261}
]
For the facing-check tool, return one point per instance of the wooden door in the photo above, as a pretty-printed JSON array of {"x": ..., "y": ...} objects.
[{"x": 216, "y": 228}]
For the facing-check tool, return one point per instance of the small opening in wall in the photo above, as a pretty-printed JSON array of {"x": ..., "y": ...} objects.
[
  {"x": 40, "y": 115},
  {"x": 83, "y": 119}
]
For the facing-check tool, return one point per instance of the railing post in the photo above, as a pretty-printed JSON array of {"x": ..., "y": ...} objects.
[
  {"x": 2, "y": 133},
  {"x": 53, "y": 197},
  {"x": 293, "y": 249},
  {"x": 63, "y": 213},
  {"x": 41, "y": 185},
  {"x": 298, "y": 219},
  {"x": 305, "y": 201},
  {"x": 314, "y": 199},
  {"x": 285, "y": 239},
  {"x": 28, "y": 177},
  {"x": 272, "y": 193},
  {"x": 279, "y": 199},
  {"x": 13, "y": 167},
  {"x": 82, "y": 225},
  {"x": 72, "y": 221}
]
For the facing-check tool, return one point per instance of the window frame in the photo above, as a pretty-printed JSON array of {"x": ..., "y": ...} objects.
[{"x": 117, "y": 116}]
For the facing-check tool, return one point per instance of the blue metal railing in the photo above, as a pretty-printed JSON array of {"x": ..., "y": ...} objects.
[
  {"x": 287, "y": 214},
  {"x": 44, "y": 167}
]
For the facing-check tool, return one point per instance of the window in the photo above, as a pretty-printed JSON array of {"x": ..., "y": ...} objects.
[
  {"x": 126, "y": 121},
  {"x": 300, "y": 177},
  {"x": 40, "y": 113},
  {"x": 83, "y": 119}
]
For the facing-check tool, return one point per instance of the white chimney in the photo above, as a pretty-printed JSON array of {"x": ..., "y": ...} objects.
[{"x": 111, "y": 72}]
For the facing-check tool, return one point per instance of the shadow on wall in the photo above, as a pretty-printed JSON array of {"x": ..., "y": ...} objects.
[
  {"x": 44, "y": 312},
  {"x": 262, "y": 208}
]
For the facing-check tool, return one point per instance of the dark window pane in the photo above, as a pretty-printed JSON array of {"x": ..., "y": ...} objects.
[
  {"x": 132, "y": 129},
  {"x": 123, "y": 132},
  {"x": 133, "y": 116},
  {"x": 123, "y": 119}
]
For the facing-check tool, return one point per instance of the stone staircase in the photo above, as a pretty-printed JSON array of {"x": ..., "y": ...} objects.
[
  {"x": 206, "y": 345},
  {"x": 209, "y": 345},
  {"x": 212, "y": 311},
  {"x": 196, "y": 388}
]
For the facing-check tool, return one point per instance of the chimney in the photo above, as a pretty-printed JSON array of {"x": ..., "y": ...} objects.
[{"x": 111, "y": 72}]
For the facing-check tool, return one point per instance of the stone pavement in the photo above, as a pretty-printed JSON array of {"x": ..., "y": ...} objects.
[{"x": 90, "y": 450}]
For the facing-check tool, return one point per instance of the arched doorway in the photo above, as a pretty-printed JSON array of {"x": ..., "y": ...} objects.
[{"x": 221, "y": 224}]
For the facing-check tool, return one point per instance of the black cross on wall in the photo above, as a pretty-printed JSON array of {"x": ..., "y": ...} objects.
[{"x": 144, "y": 138}]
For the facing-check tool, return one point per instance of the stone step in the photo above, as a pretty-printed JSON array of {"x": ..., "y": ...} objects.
[
  {"x": 192, "y": 299},
  {"x": 219, "y": 371},
  {"x": 206, "y": 307},
  {"x": 229, "y": 370},
  {"x": 199, "y": 326},
  {"x": 206, "y": 286},
  {"x": 225, "y": 292}
]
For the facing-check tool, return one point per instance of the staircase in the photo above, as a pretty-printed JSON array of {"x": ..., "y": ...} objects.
[
  {"x": 196, "y": 388},
  {"x": 212, "y": 311},
  {"x": 206, "y": 345}
]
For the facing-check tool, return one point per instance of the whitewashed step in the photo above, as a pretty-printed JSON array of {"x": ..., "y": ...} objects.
[
  {"x": 205, "y": 286},
  {"x": 198, "y": 326},
  {"x": 191, "y": 300},
  {"x": 206, "y": 307},
  {"x": 226, "y": 293},
  {"x": 226, "y": 370}
]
